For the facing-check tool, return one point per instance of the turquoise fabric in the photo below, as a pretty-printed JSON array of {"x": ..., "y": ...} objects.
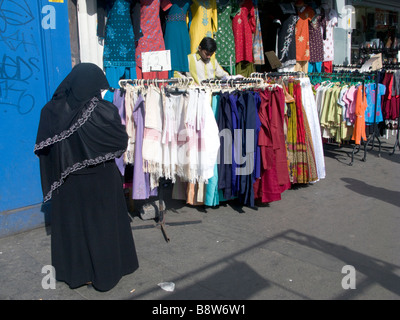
[
  {"x": 176, "y": 35},
  {"x": 212, "y": 194},
  {"x": 119, "y": 42}
]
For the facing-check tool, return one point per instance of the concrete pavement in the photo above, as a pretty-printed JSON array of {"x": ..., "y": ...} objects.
[{"x": 293, "y": 249}]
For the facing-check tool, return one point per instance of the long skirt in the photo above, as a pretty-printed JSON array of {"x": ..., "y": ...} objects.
[{"x": 91, "y": 237}]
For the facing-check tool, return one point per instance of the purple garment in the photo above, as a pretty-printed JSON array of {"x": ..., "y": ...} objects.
[
  {"x": 316, "y": 41},
  {"x": 233, "y": 98},
  {"x": 141, "y": 179},
  {"x": 119, "y": 102}
]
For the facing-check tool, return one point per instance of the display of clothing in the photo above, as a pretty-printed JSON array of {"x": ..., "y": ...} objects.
[
  {"x": 302, "y": 40},
  {"x": 302, "y": 167},
  {"x": 203, "y": 21},
  {"x": 391, "y": 98},
  {"x": 176, "y": 35},
  {"x": 274, "y": 166},
  {"x": 310, "y": 108},
  {"x": 244, "y": 26}
]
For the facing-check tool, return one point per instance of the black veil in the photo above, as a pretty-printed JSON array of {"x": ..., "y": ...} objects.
[{"x": 77, "y": 128}]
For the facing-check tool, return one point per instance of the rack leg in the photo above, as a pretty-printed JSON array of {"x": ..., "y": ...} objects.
[
  {"x": 365, "y": 150},
  {"x": 353, "y": 153},
  {"x": 397, "y": 143}
]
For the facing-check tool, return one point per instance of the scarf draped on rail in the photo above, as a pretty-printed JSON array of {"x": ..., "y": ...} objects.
[{"x": 77, "y": 128}]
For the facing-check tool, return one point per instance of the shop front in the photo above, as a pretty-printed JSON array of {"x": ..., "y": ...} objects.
[{"x": 377, "y": 30}]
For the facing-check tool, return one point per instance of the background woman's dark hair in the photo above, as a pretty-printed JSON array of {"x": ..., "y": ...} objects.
[{"x": 208, "y": 44}]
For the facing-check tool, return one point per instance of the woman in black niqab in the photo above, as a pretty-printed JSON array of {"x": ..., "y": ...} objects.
[{"x": 78, "y": 139}]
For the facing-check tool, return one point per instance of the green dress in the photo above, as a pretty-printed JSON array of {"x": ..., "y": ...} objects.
[{"x": 224, "y": 36}]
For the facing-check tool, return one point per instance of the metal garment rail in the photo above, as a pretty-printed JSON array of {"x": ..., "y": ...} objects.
[
  {"x": 182, "y": 81},
  {"x": 232, "y": 82}
]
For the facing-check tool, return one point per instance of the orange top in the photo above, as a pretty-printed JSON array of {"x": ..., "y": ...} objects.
[
  {"x": 359, "y": 123},
  {"x": 302, "y": 34}
]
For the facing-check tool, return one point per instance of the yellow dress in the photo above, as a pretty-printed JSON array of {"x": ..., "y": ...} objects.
[{"x": 204, "y": 21}]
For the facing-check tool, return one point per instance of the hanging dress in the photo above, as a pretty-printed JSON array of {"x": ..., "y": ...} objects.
[
  {"x": 176, "y": 36},
  {"x": 224, "y": 36},
  {"x": 203, "y": 22},
  {"x": 244, "y": 26},
  {"x": 287, "y": 42},
  {"x": 119, "y": 45},
  {"x": 153, "y": 39}
]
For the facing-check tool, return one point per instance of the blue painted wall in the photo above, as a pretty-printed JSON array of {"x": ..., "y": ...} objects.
[{"x": 35, "y": 56}]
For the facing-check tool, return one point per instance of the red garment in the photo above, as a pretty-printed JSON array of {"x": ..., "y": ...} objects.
[
  {"x": 387, "y": 103},
  {"x": 151, "y": 75},
  {"x": 153, "y": 39},
  {"x": 394, "y": 105},
  {"x": 301, "y": 133},
  {"x": 243, "y": 26},
  {"x": 327, "y": 66},
  {"x": 274, "y": 169}
]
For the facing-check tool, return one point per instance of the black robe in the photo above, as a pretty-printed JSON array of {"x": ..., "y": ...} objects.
[{"x": 78, "y": 138}]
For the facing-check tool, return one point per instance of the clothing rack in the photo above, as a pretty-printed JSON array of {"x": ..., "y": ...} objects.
[
  {"x": 374, "y": 132},
  {"x": 394, "y": 66},
  {"x": 232, "y": 82},
  {"x": 352, "y": 76},
  {"x": 157, "y": 209},
  {"x": 181, "y": 81},
  {"x": 274, "y": 74},
  {"x": 347, "y": 66}
]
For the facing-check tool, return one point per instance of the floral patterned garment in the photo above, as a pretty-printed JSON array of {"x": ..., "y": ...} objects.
[
  {"x": 315, "y": 40},
  {"x": 302, "y": 34},
  {"x": 153, "y": 39},
  {"x": 287, "y": 41},
  {"x": 119, "y": 42},
  {"x": 258, "y": 48},
  {"x": 330, "y": 22}
]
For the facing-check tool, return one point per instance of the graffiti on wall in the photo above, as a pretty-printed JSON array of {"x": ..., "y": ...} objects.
[{"x": 19, "y": 56}]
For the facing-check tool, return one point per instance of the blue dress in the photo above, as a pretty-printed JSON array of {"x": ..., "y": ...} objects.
[
  {"x": 176, "y": 35},
  {"x": 119, "y": 45}
]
